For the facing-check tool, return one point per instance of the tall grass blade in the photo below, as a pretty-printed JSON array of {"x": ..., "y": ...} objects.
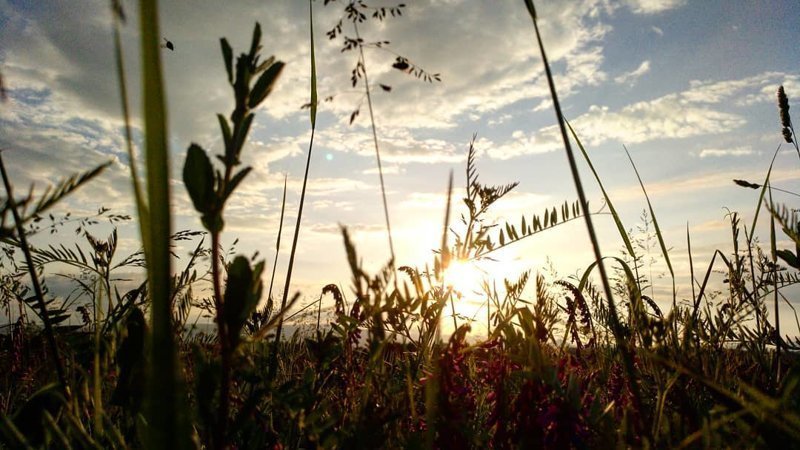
[
  {"x": 691, "y": 261},
  {"x": 774, "y": 257},
  {"x": 141, "y": 203},
  {"x": 313, "y": 109},
  {"x": 761, "y": 196},
  {"x": 617, "y": 328},
  {"x": 574, "y": 169},
  {"x": 313, "y": 118},
  {"x": 617, "y": 221},
  {"x": 166, "y": 410},
  {"x": 278, "y": 242}
]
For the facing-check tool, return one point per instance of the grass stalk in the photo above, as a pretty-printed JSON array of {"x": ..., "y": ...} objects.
[
  {"x": 624, "y": 348},
  {"x": 313, "y": 119},
  {"x": 37, "y": 287},
  {"x": 141, "y": 203},
  {"x": 166, "y": 410},
  {"x": 774, "y": 255},
  {"x": 375, "y": 143},
  {"x": 278, "y": 241}
]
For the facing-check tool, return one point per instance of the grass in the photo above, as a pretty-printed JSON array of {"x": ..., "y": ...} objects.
[{"x": 565, "y": 363}]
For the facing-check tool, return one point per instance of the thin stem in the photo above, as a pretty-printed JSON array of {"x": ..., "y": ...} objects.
[
  {"x": 627, "y": 358},
  {"x": 775, "y": 281},
  {"x": 278, "y": 243},
  {"x": 274, "y": 360},
  {"x": 222, "y": 335},
  {"x": 375, "y": 142},
  {"x": 141, "y": 203},
  {"x": 37, "y": 288}
]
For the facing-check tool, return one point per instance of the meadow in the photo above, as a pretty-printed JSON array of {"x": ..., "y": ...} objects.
[{"x": 578, "y": 362}]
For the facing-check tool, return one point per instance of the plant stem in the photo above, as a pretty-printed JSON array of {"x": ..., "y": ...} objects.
[
  {"x": 167, "y": 414},
  {"x": 222, "y": 335},
  {"x": 278, "y": 243},
  {"x": 375, "y": 142},
  {"x": 274, "y": 360},
  {"x": 623, "y": 344},
  {"x": 37, "y": 288},
  {"x": 273, "y": 365}
]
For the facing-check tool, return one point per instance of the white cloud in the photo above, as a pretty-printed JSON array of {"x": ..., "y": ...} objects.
[
  {"x": 657, "y": 30},
  {"x": 696, "y": 111},
  {"x": 653, "y": 6},
  {"x": 632, "y": 76},
  {"x": 546, "y": 140},
  {"x": 721, "y": 152}
]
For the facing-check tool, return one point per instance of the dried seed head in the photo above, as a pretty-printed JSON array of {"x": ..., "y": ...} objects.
[
  {"x": 785, "y": 119},
  {"x": 787, "y": 135},
  {"x": 783, "y": 105},
  {"x": 783, "y": 101}
]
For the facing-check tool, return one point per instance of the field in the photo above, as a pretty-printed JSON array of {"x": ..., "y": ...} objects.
[{"x": 589, "y": 361}]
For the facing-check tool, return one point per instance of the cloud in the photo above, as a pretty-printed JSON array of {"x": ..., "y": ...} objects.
[
  {"x": 521, "y": 143},
  {"x": 657, "y": 30},
  {"x": 703, "y": 182},
  {"x": 722, "y": 152},
  {"x": 632, "y": 76},
  {"x": 397, "y": 145},
  {"x": 653, "y": 6},
  {"x": 696, "y": 111}
]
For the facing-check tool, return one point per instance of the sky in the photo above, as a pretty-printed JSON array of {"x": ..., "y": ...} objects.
[{"x": 687, "y": 86}]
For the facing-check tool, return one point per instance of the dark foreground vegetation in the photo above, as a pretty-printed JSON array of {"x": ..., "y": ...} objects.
[{"x": 585, "y": 362}]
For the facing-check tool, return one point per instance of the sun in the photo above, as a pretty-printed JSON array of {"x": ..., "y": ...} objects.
[{"x": 465, "y": 278}]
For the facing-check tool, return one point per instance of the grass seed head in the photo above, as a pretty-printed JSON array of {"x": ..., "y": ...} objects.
[{"x": 786, "y": 120}]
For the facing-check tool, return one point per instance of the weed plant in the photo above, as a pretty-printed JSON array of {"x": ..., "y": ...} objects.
[{"x": 566, "y": 362}]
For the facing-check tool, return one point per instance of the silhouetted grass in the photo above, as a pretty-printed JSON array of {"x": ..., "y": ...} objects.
[{"x": 563, "y": 363}]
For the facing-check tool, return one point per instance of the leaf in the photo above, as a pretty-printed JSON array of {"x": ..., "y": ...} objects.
[
  {"x": 226, "y": 133},
  {"x": 256, "y": 43},
  {"x": 198, "y": 176},
  {"x": 227, "y": 55},
  {"x": 263, "y": 86},
  {"x": 239, "y": 138},
  {"x": 242, "y": 293},
  {"x": 789, "y": 257},
  {"x": 386, "y": 88},
  {"x": 235, "y": 181},
  {"x": 353, "y": 116}
]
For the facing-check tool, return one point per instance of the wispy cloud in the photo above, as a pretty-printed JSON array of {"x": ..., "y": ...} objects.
[
  {"x": 696, "y": 111},
  {"x": 632, "y": 76},
  {"x": 653, "y": 6},
  {"x": 722, "y": 152}
]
